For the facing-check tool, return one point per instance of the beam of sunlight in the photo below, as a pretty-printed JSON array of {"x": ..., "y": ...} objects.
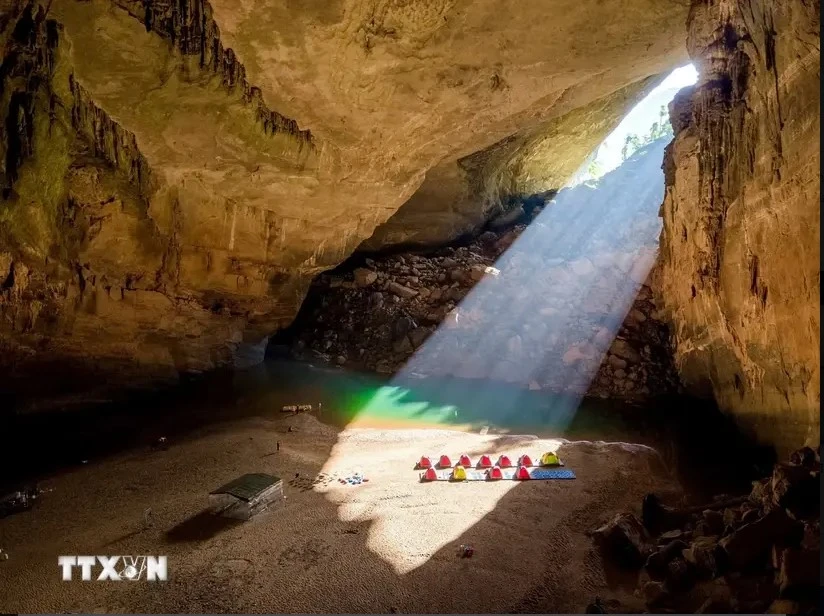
[
  {"x": 553, "y": 308},
  {"x": 518, "y": 353}
]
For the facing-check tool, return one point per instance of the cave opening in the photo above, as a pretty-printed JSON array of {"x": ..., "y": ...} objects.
[{"x": 510, "y": 312}]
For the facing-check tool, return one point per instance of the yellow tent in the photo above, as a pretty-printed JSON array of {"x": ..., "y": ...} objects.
[
  {"x": 459, "y": 473},
  {"x": 550, "y": 458}
]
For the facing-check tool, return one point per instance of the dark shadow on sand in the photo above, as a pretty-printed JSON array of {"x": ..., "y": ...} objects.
[{"x": 200, "y": 527}]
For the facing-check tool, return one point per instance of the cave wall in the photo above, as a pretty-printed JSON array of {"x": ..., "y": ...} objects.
[
  {"x": 458, "y": 197},
  {"x": 176, "y": 173},
  {"x": 739, "y": 266}
]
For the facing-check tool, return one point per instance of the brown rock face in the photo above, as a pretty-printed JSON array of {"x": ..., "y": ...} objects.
[
  {"x": 740, "y": 246},
  {"x": 176, "y": 173},
  {"x": 458, "y": 197}
]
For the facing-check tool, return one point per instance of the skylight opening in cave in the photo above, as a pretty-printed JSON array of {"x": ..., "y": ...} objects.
[{"x": 648, "y": 120}]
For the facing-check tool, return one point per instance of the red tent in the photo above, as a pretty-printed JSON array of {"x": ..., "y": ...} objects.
[
  {"x": 465, "y": 461},
  {"x": 522, "y": 473},
  {"x": 525, "y": 460},
  {"x": 430, "y": 475},
  {"x": 445, "y": 462},
  {"x": 505, "y": 462},
  {"x": 495, "y": 473},
  {"x": 484, "y": 462},
  {"x": 425, "y": 462}
]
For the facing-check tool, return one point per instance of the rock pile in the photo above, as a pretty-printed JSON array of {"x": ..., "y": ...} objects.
[
  {"x": 374, "y": 317},
  {"x": 750, "y": 554}
]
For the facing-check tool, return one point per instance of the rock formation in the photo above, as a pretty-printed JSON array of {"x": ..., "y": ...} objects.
[
  {"x": 457, "y": 198},
  {"x": 740, "y": 246},
  {"x": 551, "y": 307},
  {"x": 176, "y": 173},
  {"x": 758, "y": 553}
]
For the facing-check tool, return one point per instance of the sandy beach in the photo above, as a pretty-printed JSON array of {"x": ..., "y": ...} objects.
[{"x": 391, "y": 544}]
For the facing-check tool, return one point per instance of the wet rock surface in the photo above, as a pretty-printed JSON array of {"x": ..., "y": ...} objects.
[{"x": 751, "y": 557}]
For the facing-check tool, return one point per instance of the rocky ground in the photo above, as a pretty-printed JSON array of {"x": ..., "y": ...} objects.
[
  {"x": 759, "y": 553},
  {"x": 569, "y": 313}
]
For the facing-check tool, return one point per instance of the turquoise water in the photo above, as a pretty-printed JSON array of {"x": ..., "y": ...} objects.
[{"x": 680, "y": 428}]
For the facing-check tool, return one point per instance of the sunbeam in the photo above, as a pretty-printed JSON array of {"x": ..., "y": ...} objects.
[
  {"x": 551, "y": 307},
  {"x": 547, "y": 312}
]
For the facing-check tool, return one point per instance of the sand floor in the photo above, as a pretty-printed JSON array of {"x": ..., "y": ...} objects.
[{"x": 388, "y": 545}]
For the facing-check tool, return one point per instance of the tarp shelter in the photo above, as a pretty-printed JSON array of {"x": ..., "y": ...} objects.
[
  {"x": 505, "y": 462},
  {"x": 430, "y": 475},
  {"x": 444, "y": 461},
  {"x": 459, "y": 473},
  {"x": 522, "y": 473},
  {"x": 484, "y": 462},
  {"x": 495, "y": 473},
  {"x": 525, "y": 460},
  {"x": 425, "y": 462},
  {"x": 247, "y": 495},
  {"x": 464, "y": 460},
  {"x": 550, "y": 458}
]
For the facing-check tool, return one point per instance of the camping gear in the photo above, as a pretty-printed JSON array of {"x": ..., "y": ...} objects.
[
  {"x": 459, "y": 473},
  {"x": 550, "y": 458},
  {"x": 539, "y": 474},
  {"x": 19, "y": 500},
  {"x": 551, "y": 473},
  {"x": 297, "y": 408},
  {"x": 522, "y": 474},
  {"x": 547, "y": 459},
  {"x": 247, "y": 495}
]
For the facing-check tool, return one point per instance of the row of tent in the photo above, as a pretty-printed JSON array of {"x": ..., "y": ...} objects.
[
  {"x": 459, "y": 474},
  {"x": 550, "y": 458}
]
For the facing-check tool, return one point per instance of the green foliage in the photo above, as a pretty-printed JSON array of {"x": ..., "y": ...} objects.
[
  {"x": 660, "y": 129},
  {"x": 594, "y": 169}
]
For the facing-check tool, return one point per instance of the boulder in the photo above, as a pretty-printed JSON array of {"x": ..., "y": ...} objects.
[
  {"x": 704, "y": 555},
  {"x": 622, "y": 349},
  {"x": 654, "y": 593},
  {"x": 796, "y": 488},
  {"x": 750, "y": 544},
  {"x": 658, "y": 561},
  {"x": 401, "y": 291},
  {"x": 799, "y": 573},
  {"x": 418, "y": 335},
  {"x": 679, "y": 574},
  {"x": 624, "y": 540}
]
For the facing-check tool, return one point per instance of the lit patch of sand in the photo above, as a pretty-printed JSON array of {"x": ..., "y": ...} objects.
[
  {"x": 402, "y": 519},
  {"x": 389, "y": 544}
]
